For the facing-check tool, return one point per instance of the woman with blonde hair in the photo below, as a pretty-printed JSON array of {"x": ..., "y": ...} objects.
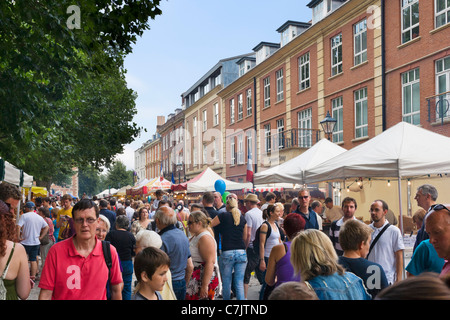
[
  {"x": 204, "y": 282},
  {"x": 313, "y": 256},
  {"x": 233, "y": 229}
]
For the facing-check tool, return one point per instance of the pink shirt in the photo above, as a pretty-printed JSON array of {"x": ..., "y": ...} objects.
[
  {"x": 445, "y": 269},
  {"x": 73, "y": 277}
]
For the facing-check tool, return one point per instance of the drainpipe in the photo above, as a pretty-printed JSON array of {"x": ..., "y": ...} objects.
[
  {"x": 383, "y": 65},
  {"x": 255, "y": 157}
]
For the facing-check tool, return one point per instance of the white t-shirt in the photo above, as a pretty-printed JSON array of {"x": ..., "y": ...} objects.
[
  {"x": 254, "y": 218},
  {"x": 384, "y": 250},
  {"x": 31, "y": 224}
]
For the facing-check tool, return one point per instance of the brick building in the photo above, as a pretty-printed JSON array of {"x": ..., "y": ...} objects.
[{"x": 370, "y": 64}]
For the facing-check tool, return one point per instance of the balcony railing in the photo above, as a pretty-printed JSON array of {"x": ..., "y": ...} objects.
[
  {"x": 295, "y": 138},
  {"x": 439, "y": 107}
]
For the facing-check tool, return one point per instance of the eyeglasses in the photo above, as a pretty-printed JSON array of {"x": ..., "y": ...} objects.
[
  {"x": 440, "y": 207},
  {"x": 81, "y": 220},
  {"x": 303, "y": 197}
]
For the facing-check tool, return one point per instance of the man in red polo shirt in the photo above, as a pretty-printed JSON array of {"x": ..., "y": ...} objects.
[{"x": 75, "y": 268}]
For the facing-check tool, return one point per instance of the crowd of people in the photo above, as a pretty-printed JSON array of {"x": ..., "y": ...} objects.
[{"x": 90, "y": 249}]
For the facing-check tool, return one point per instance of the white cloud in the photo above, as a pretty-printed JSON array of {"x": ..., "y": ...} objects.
[{"x": 127, "y": 157}]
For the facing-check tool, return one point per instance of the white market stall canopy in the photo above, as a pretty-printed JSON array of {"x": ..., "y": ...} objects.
[
  {"x": 11, "y": 174},
  {"x": 107, "y": 193},
  {"x": 401, "y": 151},
  {"x": 204, "y": 182},
  {"x": 292, "y": 171}
]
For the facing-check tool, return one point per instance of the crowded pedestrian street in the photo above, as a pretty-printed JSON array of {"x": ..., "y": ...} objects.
[{"x": 243, "y": 157}]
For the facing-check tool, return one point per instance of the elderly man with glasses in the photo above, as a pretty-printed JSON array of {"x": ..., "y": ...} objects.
[
  {"x": 75, "y": 268},
  {"x": 438, "y": 228}
]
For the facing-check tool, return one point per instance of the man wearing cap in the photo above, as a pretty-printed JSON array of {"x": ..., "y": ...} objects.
[
  {"x": 32, "y": 229},
  {"x": 254, "y": 218}
]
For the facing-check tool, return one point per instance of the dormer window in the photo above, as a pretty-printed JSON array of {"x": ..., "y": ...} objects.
[{"x": 321, "y": 8}]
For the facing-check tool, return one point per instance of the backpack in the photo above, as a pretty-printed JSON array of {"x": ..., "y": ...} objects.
[
  {"x": 257, "y": 237},
  {"x": 108, "y": 260}
]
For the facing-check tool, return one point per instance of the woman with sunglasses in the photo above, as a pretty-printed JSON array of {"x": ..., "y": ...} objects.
[{"x": 204, "y": 282}]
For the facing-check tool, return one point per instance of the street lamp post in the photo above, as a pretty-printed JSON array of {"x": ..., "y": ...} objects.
[{"x": 328, "y": 125}]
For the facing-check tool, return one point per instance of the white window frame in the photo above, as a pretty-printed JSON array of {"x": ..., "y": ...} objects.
[
  {"x": 194, "y": 126},
  {"x": 267, "y": 138},
  {"x": 304, "y": 72},
  {"x": 232, "y": 111},
  {"x": 360, "y": 42},
  {"x": 407, "y": 31},
  {"x": 280, "y": 85},
  {"x": 411, "y": 96},
  {"x": 266, "y": 92},
  {"x": 441, "y": 17},
  {"x": 304, "y": 118},
  {"x": 216, "y": 150},
  {"x": 249, "y": 102},
  {"x": 205, "y": 120},
  {"x": 240, "y": 149},
  {"x": 361, "y": 124},
  {"x": 280, "y": 131},
  {"x": 443, "y": 80},
  {"x": 336, "y": 55},
  {"x": 216, "y": 114},
  {"x": 240, "y": 107},
  {"x": 233, "y": 151},
  {"x": 337, "y": 109}
]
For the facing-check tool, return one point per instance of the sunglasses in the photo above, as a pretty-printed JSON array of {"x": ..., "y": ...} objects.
[{"x": 440, "y": 207}]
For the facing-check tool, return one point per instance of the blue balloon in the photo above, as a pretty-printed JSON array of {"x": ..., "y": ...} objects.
[{"x": 220, "y": 186}]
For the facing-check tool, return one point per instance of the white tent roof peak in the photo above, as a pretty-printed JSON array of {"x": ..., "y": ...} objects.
[
  {"x": 403, "y": 150},
  {"x": 292, "y": 171}
]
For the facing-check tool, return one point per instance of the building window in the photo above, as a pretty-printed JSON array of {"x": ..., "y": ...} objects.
[
  {"x": 411, "y": 96},
  {"x": 361, "y": 124},
  {"x": 337, "y": 108},
  {"x": 280, "y": 90},
  {"x": 195, "y": 154},
  {"x": 233, "y": 151},
  {"x": 280, "y": 132},
  {"x": 231, "y": 111},
  {"x": 303, "y": 72},
  {"x": 249, "y": 102},
  {"x": 360, "y": 39},
  {"x": 240, "y": 107},
  {"x": 410, "y": 20},
  {"x": 249, "y": 144},
  {"x": 304, "y": 128},
  {"x": 336, "y": 55},
  {"x": 240, "y": 150},
  {"x": 216, "y": 114},
  {"x": 205, "y": 121},
  {"x": 267, "y": 137},
  {"x": 442, "y": 86},
  {"x": 216, "y": 151},
  {"x": 194, "y": 127},
  {"x": 442, "y": 12},
  {"x": 267, "y": 92}
]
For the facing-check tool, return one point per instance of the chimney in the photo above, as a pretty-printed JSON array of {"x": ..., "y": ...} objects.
[{"x": 161, "y": 120}]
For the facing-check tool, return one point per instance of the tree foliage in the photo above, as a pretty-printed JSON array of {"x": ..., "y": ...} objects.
[{"x": 63, "y": 95}]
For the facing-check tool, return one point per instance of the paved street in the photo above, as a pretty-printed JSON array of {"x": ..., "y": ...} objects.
[{"x": 253, "y": 291}]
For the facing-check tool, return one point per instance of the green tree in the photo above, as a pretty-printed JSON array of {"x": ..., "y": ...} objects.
[
  {"x": 51, "y": 76},
  {"x": 89, "y": 181},
  {"x": 118, "y": 176}
]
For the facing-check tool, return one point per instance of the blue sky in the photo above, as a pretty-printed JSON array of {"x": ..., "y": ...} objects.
[{"x": 188, "y": 39}]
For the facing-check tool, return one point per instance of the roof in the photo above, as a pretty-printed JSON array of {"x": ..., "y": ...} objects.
[
  {"x": 268, "y": 44},
  {"x": 293, "y": 23}
]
